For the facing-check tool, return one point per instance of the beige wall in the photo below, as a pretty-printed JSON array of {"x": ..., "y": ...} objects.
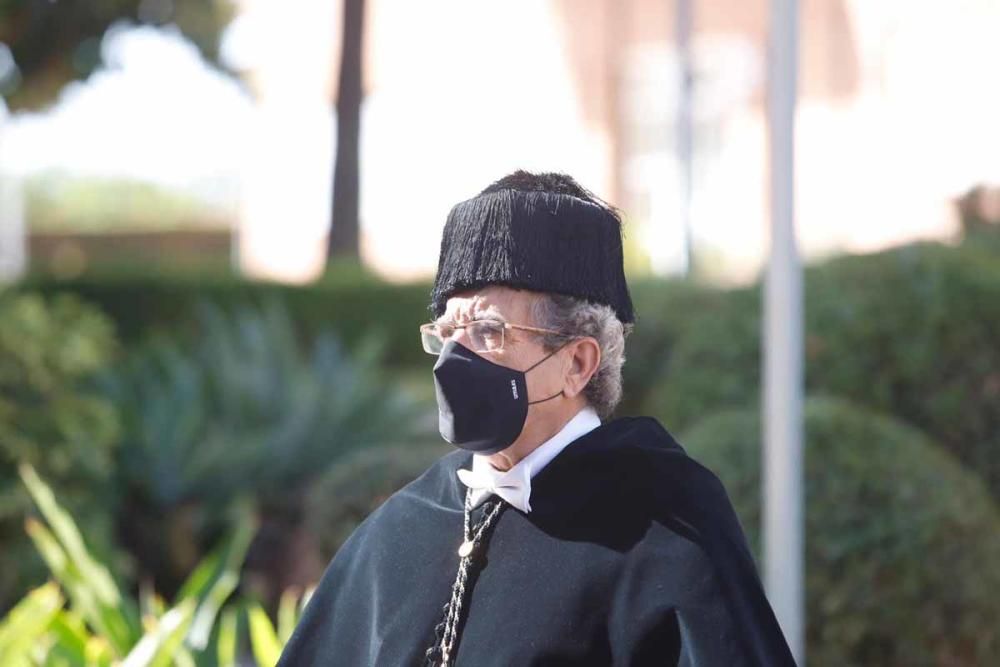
[
  {"x": 896, "y": 116},
  {"x": 860, "y": 154}
]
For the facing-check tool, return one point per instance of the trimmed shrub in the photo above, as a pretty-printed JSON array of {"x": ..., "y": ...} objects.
[
  {"x": 911, "y": 332},
  {"x": 662, "y": 320},
  {"x": 356, "y": 306},
  {"x": 49, "y": 348},
  {"x": 915, "y": 333},
  {"x": 713, "y": 364},
  {"x": 349, "y": 303},
  {"x": 902, "y": 543}
]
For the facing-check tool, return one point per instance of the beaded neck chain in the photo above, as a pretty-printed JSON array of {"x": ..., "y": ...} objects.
[{"x": 446, "y": 632}]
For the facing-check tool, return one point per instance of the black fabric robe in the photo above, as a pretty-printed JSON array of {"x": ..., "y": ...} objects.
[{"x": 631, "y": 555}]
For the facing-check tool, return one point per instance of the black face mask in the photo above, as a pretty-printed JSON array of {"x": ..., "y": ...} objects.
[{"x": 481, "y": 405}]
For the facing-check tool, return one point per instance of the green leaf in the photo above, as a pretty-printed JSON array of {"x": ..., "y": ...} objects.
[
  {"x": 48, "y": 547},
  {"x": 201, "y": 578},
  {"x": 88, "y": 583},
  {"x": 69, "y": 537},
  {"x": 227, "y": 558},
  {"x": 81, "y": 597},
  {"x": 151, "y": 605},
  {"x": 27, "y": 624},
  {"x": 226, "y": 641},
  {"x": 99, "y": 652},
  {"x": 287, "y": 615},
  {"x": 201, "y": 628},
  {"x": 159, "y": 647},
  {"x": 71, "y": 637},
  {"x": 263, "y": 638},
  {"x": 215, "y": 579},
  {"x": 183, "y": 658}
]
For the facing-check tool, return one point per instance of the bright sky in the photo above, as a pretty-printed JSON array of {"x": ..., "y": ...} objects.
[
  {"x": 456, "y": 102},
  {"x": 156, "y": 113},
  {"x": 437, "y": 128}
]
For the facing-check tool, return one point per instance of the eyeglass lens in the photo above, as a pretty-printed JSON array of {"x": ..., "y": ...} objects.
[{"x": 482, "y": 336}]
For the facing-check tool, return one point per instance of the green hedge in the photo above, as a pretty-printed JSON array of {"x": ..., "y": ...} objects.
[
  {"x": 902, "y": 543},
  {"x": 357, "y": 306},
  {"x": 49, "y": 349},
  {"x": 663, "y": 320},
  {"x": 353, "y": 306},
  {"x": 913, "y": 332}
]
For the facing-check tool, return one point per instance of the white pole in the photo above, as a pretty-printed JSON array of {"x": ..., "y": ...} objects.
[
  {"x": 685, "y": 142},
  {"x": 782, "y": 354}
]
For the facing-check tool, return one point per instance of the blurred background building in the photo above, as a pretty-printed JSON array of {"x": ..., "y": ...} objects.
[{"x": 458, "y": 93}]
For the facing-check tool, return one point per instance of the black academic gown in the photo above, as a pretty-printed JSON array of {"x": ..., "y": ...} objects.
[{"x": 631, "y": 555}]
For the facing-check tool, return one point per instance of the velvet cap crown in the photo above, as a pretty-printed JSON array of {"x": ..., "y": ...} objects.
[{"x": 539, "y": 232}]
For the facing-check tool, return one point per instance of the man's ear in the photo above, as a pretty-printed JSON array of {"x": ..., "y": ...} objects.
[{"x": 585, "y": 358}]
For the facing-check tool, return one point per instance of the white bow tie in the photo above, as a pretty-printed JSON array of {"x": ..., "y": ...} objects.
[{"x": 515, "y": 489}]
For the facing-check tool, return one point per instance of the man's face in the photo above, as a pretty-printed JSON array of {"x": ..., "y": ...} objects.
[{"x": 522, "y": 349}]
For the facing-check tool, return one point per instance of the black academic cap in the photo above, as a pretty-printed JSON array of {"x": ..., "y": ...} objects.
[{"x": 527, "y": 231}]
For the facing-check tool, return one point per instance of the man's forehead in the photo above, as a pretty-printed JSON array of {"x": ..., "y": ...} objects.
[{"x": 500, "y": 303}]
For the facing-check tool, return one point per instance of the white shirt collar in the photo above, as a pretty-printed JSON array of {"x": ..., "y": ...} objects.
[{"x": 514, "y": 485}]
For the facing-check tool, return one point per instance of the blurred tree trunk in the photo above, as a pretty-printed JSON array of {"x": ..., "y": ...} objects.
[{"x": 344, "y": 233}]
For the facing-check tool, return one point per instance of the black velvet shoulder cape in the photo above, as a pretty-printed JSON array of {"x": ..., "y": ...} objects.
[{"x": 631, "y": 555}]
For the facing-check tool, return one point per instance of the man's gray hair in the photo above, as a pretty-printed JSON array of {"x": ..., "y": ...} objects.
[{"x": 576, "y": 317}]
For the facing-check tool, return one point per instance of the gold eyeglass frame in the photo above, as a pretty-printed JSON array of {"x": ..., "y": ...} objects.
[{"x": 428, "y": 329}]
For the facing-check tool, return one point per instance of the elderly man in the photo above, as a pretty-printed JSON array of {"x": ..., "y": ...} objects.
[{"x": 553, "y": 535}]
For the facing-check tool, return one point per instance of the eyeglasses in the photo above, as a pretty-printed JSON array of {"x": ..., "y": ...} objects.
[{"x": 484, "y": 335}]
